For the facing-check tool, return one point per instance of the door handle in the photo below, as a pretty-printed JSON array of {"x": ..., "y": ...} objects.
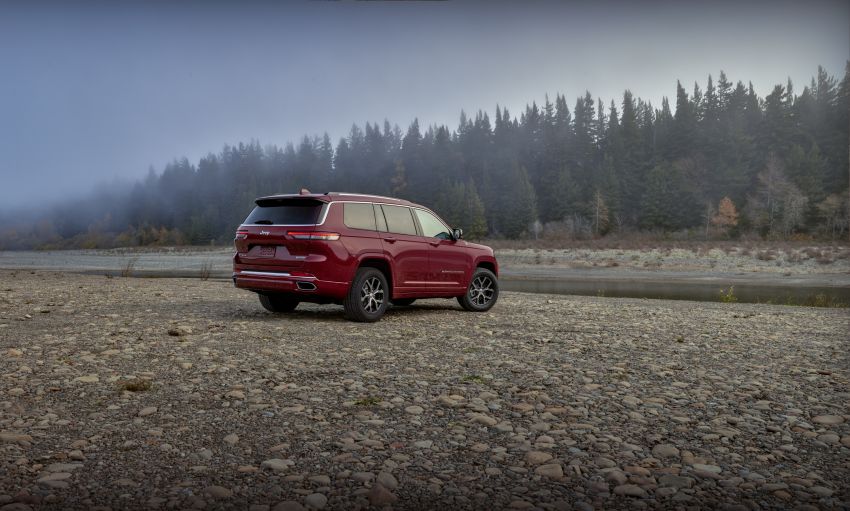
[
  {"x": 434, "y": 243},
  {"x": 390, "y": 239}
]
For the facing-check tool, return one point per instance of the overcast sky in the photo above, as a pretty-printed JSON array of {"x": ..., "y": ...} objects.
[{"x": 93, "y": 91}]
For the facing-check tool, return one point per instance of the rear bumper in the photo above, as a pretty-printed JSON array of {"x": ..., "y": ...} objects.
[{"x": 284, "y": 282}]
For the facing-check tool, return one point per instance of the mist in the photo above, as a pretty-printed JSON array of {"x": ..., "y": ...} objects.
[{"x": 97, "y": 91}]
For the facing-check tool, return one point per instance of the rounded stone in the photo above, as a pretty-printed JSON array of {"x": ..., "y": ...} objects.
[
  {"x": 218, "y": 492},
  {"x": 828, "y": 419},
  {"x": 630, "y": 490},
  {"x": 316, "y": 501},
  {"x": 665, "y": 451}
]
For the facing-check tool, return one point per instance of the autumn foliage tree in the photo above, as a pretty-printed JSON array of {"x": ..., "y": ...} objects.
[{"x": 727, "y": 215}]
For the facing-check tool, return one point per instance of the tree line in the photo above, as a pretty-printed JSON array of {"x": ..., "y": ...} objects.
[{"x": 719, "y": 161}]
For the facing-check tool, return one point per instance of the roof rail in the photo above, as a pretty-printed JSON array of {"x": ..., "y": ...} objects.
[{"x": 364, "y": 195}]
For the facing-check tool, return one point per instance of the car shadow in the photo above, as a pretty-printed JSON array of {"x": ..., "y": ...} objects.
[{"x": 315, "y": 312}]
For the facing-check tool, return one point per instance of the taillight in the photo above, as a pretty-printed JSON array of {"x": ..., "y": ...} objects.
[
  {"x": 241, "y": 235},
  {"x": 315, "y": 235}
]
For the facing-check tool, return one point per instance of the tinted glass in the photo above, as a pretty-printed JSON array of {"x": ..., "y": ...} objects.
[
  {"x": 379, "y": 217},
  {"x": 431, "y": 226},
  {"x": 399, "y": 220},
  {"x": 292, "y": 212},
  {"x": 358, "y": 216}
]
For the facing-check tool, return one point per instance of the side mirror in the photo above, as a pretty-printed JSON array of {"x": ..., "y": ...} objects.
[{"x": 457, "y": 233}]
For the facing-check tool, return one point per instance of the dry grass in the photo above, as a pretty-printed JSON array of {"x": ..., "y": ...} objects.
[
  {"x": 206, "y": 269},
  {"x": 136, "y": 385},
  {"x": 129, "y": 266}
]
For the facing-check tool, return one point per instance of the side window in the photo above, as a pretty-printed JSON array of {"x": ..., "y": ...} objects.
[
  {"x": 399, "y": 220},
  {"x": 432, "y": 227},
  {"x": 379, "y": 217},
  {"x": 358, "y": 216}
]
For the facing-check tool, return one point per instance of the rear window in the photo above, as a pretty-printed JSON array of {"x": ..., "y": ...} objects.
[
  {"x": 399, "y": 220},
  {"x": 358, "y": 216},
  {"x": 286, "y": 212}
]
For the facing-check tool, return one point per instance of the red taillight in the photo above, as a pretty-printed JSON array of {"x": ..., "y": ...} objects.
[
  {"x": 314, "y": 235},
  {"x": 241, "y": 235}
]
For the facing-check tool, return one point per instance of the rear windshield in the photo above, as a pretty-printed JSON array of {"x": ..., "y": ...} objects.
[{"x": 286, "y": 212}]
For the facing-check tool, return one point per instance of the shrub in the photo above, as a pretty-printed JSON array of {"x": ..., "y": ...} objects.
[{"x": 728, "y": 295}]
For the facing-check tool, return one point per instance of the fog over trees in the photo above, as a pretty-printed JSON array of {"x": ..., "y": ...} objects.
[{"x": 715, "y": 161}]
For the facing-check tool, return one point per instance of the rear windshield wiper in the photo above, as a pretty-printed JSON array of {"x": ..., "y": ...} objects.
[{"x": 264, "y": 222}]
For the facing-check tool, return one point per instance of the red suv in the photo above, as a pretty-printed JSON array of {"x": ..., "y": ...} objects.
[{"x": 361, "y": 251}]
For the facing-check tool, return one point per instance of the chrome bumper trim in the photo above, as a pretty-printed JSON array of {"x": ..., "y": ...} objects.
[{"x": 264, "y": 273}]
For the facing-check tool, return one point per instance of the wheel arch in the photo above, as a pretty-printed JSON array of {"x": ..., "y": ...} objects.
[
  {"x": 489, "y": 264},
  {"x": 381, "y": 264}
]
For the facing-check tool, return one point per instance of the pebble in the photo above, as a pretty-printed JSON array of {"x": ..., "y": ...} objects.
[
  {"x": 387, "y": 480},
  {"x": 288, "y": 505},
  {"x": 630, "y": 490},
  {"x": 617, "y": 477},
  {"x": 484, "y": 419},
  {"x": 414, "y": 410},
  {"x": 363, "y": 477},
  {"x": 674, "y": 481},
  {"x": 149, "y": 410},
  {"x": 380, "y": 496},
  {"x": 15, "y": 438},
  {"x": 537, "y": 457},
  {"x": 551, "y": 470},
  {"x": 277, "y": 464},
  {"x": 665, "y": 451},
  {"x": 321, "y": 480},
  {"x": 315, "y": 501},
  {"x": 218, "y": 492},
  {"x": 828, "y": 419},
  {"x": 707, "y": 468}
]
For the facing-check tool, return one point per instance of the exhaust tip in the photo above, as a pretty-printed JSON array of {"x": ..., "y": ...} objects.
[{"x": 305, "y": 286}]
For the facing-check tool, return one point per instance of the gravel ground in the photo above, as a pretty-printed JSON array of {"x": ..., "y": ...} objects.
[{"x": 180, "y": 393}]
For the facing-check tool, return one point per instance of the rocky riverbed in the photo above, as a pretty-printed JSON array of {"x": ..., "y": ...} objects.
[{"x": 129, "y": 393}]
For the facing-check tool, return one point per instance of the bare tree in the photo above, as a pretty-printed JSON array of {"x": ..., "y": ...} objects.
[
  {"x": 833, "y": 210},
  {"x": 793, "y": 210},
  {"x": 708, "y": 215},
  {"x": 779, "y": 206},
  {"x": 600, "y": 213}
]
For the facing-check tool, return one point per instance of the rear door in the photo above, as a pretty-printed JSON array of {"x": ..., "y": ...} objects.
[
  {"x": 408, "y": 251},
  {"x": 449, "y": 262},
  {"x": 264, "y": 237}
]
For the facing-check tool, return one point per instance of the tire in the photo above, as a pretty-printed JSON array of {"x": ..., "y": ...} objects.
[
  {"x": 482, "y": 293},
  {"x": 403, "y": 302},
  {"x": 278, "y": 302},
  {"x": 367, "y": 297}
]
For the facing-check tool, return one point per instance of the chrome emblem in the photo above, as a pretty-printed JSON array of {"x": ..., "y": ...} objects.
[{"x": 265, "y": 233}]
